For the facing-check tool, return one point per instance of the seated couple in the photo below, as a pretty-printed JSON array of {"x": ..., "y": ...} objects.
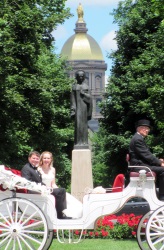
[{"x": 40, "y": 169}]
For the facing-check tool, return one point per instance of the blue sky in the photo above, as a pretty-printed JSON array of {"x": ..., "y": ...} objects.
[{"x": 99, "y": 23}]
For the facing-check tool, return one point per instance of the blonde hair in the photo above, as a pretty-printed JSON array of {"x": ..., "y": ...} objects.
[{"x": 41, "y": 158}]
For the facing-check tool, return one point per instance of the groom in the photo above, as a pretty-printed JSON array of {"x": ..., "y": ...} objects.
[{"x": 29, "y": 171}]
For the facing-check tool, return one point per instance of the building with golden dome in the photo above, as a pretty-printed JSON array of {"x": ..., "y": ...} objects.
[{"x": 83, "y": 53}]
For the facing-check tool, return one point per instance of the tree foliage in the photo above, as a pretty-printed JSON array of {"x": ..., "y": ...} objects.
[
  {"x": 34, "y": 86},
  {"x": 158, "y": 8},
  {"x": 136, "y": 86}
]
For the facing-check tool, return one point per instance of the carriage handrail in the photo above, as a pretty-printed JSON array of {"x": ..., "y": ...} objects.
[{"x": 11, "y": 181}]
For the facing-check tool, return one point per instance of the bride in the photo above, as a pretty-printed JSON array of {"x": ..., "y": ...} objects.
[{"x": 74, "y": 207}]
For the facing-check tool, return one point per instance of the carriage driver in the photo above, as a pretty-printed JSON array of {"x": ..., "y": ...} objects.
[{"x": 140, "y": 154}]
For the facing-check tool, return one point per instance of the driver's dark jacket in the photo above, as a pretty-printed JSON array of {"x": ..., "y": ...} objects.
[{"x": 140, "y": 154}]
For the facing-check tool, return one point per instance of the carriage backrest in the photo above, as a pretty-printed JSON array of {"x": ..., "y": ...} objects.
[{"x": 119, "y": 183}]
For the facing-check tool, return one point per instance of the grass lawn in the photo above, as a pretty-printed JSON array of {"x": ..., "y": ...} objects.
[{"x": 97, "y": 244}]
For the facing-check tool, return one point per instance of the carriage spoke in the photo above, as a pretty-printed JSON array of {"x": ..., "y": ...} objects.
[
  {"x": 31, "y": 238},
  {"x": 24, "y": 221},
  {"x": 5, "y": 240},
  {"x": 19, "y": 244},
  {"x": 28, "y": 243},
  {"x": 8, "y": 244}
]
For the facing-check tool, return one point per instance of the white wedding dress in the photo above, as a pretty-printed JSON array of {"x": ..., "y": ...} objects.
[{"x": 74, "y": 207}]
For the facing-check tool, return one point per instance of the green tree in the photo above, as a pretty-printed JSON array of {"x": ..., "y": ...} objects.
[
  {"x": 158, "y": 7},
  {"x": 135, "y": 89},
  {"x": 34, "y": 86}
]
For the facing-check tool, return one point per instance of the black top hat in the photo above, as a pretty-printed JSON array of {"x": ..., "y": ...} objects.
[{"x": 143, "y": 122}]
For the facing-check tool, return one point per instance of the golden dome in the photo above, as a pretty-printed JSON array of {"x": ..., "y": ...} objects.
[{"x": 81, "y": 46}]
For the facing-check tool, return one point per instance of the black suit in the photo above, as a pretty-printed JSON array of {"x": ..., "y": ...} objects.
[
  {"x": 31, "y": 174},
  {"x": 140, "y": 155}
]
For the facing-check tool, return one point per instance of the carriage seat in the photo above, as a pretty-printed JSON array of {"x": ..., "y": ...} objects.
[
  {"x": 148, "y": 174},
  {"x": 136, "y": 174}
]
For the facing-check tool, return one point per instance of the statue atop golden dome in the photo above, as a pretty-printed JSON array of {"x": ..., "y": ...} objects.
[
  {"x": 80, "y": 13},
  {"x": 81, "y": 46}
]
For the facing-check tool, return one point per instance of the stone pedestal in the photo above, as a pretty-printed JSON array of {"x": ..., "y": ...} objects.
[{"x": 81, "y": 177}]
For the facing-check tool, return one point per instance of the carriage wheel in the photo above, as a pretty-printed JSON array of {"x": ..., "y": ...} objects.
[
  {"x": 23, "y": 226},
  {"x": 141, "y": 232},
  {"x": 155, "y": 229}
]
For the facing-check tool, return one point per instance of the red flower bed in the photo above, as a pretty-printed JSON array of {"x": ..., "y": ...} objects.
[
  {"x": 118, "y": 227},
  {"x": 112, "y": 226}
]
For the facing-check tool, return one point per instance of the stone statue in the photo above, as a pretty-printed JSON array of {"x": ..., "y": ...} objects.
[
  {"x": 80, "y": 12},
  {"x": 81, "y": 110}
]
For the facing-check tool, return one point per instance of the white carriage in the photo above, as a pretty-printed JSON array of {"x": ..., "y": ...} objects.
[{"x": 28, "y": 221}]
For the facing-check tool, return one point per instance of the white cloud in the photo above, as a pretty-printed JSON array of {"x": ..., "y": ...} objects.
[
  {"x": 60, "y": 32},
  {"x": 107, "y": 43},
  {"x": 72, "y": 3}
]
